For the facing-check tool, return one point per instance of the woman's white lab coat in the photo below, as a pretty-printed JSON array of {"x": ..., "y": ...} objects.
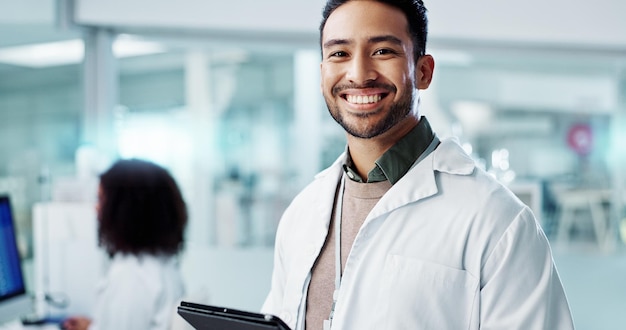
[
  {"x": 447, "y": 247},
  {"x": 139, "y": 292}
]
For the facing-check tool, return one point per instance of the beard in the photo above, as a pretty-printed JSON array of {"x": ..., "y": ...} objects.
[{"x": 396, "y": 112}]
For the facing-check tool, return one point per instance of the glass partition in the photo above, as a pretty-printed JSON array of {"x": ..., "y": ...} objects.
[
  {"x": 224, "y": 120},
  {"x": 40, "y": 123}
]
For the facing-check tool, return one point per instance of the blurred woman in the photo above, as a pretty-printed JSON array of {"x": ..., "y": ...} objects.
[{"x": 141, "y": 223}]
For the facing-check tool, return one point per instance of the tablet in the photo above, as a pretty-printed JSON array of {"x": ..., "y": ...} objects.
[{"x": 205, "y": 317}]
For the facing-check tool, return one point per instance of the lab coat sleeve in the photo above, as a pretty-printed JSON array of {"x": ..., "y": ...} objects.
[{"x": 520, "y": 286}]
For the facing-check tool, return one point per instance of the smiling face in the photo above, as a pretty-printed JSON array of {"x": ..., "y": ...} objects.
[{"x": 369, "y": 76}]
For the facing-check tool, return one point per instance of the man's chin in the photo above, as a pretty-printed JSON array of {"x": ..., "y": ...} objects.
[{"x": 364, "y": 133}]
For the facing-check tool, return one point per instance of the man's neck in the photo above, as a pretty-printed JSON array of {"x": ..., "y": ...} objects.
[{"x": 365, "y": 152}]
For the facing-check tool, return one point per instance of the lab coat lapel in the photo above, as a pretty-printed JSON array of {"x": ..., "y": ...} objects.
[
  {"x": 420, "y": 182},
  {"x": 323, "y": 201}
]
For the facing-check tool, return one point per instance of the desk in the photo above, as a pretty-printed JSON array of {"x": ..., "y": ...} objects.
[
  {"x": 17, "y": 325},
  {"x": 592, "y": 200}
]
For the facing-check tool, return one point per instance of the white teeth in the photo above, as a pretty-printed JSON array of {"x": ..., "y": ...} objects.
[{"x": 360, "y": 99}]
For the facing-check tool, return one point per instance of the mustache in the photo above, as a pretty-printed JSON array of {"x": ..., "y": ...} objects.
[{"x": 339, "y": 88}]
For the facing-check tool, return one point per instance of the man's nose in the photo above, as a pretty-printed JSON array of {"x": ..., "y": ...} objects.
[{"x": 361, "y": 70}]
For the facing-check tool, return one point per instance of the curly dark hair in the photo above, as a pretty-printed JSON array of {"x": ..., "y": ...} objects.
[
  {"x": 141, "y": 210},
  {"x": 415, "y": 13}
]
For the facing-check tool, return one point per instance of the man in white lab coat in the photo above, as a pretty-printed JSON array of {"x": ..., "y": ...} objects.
[{"x": 403, "y": 231}]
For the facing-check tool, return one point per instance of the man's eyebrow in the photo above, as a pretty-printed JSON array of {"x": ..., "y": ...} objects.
[
  {"x": 372, "y": 40},
  {"x": 385, "y": 38},
  {"x": 334, "y": 42}
]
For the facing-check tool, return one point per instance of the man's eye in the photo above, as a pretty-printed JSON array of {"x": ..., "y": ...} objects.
[
  {"x": 384, "y": 51},
  {"x": 338, "y": 54}
]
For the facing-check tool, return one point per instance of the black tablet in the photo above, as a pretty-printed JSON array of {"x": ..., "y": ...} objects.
[{"x": 205, "y": 317}]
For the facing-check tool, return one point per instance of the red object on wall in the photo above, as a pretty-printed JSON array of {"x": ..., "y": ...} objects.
[{"x": 580, "y": 139}]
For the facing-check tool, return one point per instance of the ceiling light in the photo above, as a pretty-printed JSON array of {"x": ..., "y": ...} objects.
[
  {"x": 43, "y": 55},
  {"x": 127, "y": 46},
  {"x": 71, "y": 52}
]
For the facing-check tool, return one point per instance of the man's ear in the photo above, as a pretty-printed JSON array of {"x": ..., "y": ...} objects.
[{"x": 424, "y": 71}]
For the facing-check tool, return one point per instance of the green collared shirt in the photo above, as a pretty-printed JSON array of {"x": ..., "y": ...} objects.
[{"x": 396, "y": 161}]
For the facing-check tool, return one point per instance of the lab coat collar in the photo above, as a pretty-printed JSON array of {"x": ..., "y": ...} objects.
[
  {"x": 418, "y": 183},
  {"x": 336, "y": 167},
  {"x": 450, "y": 157}
]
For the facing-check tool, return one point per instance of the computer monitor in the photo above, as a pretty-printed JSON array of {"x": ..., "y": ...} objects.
[{"x": 15, "y": 302}]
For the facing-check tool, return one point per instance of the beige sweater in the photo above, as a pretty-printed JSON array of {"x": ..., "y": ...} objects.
[{"x": 358, "y": 201}]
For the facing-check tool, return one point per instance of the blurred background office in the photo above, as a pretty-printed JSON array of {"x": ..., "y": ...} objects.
[{"x": 226, "y": 96}]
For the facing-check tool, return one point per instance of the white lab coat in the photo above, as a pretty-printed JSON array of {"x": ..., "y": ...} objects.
[
  {"x": 447, "y": 247},
  {"x": 138, "y": 293}
]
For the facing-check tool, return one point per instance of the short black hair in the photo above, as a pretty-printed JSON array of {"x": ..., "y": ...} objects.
[
  {"x": 415, "y": 13},
  {"x": 141, "y": 210}
]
